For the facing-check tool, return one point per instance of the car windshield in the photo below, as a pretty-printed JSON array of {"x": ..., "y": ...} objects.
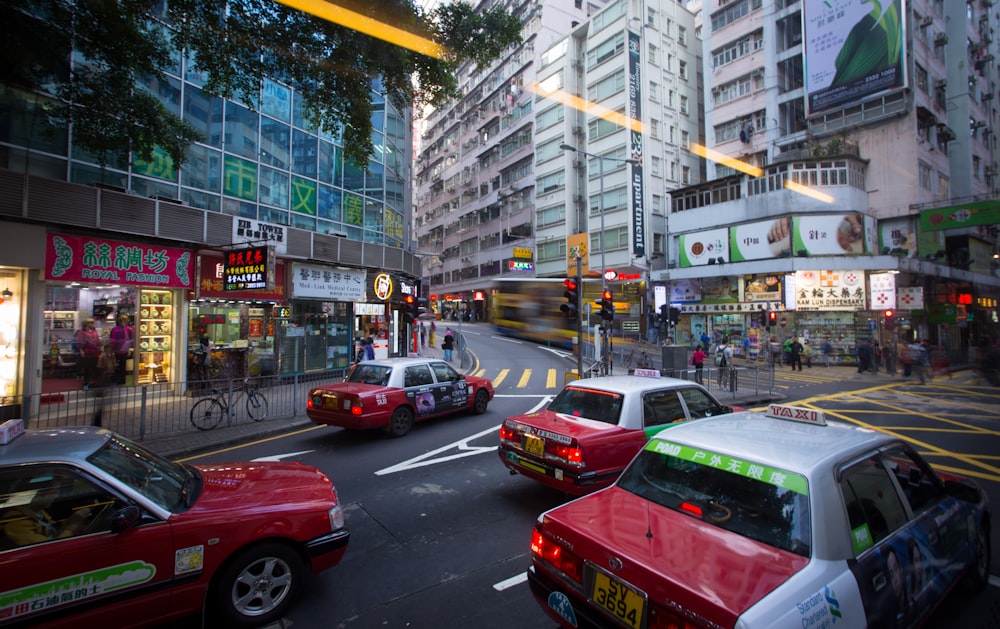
[
  {"x": 603, "y": 406},
  {"x": 161, "y": 481},
  {"x": 766, "y": 504},
  {"x": 369, "y": 374}
]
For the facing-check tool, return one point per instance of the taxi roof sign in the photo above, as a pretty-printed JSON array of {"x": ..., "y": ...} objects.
[
  {"x": 797, "y": 414},
  {"x": 647, "y": 373},
  {"x": 10, "y": 430}
]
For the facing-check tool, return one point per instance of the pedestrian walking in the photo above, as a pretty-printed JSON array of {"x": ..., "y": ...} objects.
[
  {"x": 448, "y": 345},
  {"x": 369, "y": 349},
  {"x": 104, "y": 377},
  {"x": 122, "y": 338},
  {"x": 923, "y": 361},
  {"x": 826, "y": 348},
  {"x": 795, "y": 350},
  {"x": 423, "y": 335},
  {"x": 698, "y": 360},
  {"x": 433, "y": 334},
  {"x": 876, "y": 357}
]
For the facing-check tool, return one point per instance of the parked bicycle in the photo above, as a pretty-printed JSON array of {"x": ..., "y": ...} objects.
[{"x": 209, "y": 412}]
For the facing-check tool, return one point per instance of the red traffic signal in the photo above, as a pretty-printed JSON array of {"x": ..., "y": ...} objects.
[
  {"x": 409, "y": 309},
  {"x": 571, "y": 308},
  {"x": 772, "y": 317},
  {"x": 889, "y": 314},
  {"x": 607, "y": 306}
]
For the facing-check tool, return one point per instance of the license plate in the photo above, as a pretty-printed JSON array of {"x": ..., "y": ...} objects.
[
  {"x": 330, "y": 401},
  {"x": 621, "y": 601},
  {"x": 534, "y": 445}
]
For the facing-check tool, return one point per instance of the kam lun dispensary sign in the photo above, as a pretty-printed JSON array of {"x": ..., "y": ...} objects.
[{"x": 86, "y": 259}]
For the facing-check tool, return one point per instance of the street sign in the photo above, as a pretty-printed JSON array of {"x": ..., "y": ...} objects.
[{"x": 630, "y": 326}]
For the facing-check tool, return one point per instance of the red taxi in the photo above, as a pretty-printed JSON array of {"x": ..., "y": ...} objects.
[
  {"x": 752, "y": 520},
  {"x": 393, "y": 393},
  {"x": 96, "y": 531},
  {"x": 587, "y": 435}
]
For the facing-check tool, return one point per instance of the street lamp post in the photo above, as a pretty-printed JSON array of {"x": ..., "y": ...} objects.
[{"x": 604, "y": 280}]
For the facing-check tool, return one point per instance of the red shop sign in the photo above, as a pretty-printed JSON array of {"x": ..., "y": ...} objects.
[
  {"x": 211, "y": 281},
  {"x": 88, "y": 259}
]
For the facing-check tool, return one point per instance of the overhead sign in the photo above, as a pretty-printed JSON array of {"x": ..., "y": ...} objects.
[
  {"x": 250, "y": 231},
  {"x": 830, "y": 290},
  {"x": 211, "y": 273},
  {"x": 313, "y": 281}
]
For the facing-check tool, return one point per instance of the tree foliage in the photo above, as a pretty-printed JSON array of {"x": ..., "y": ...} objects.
[{"x": 117, "y": 46}]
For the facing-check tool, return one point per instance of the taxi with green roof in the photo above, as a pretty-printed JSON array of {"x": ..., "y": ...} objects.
[{"x": 773, "y": 519}]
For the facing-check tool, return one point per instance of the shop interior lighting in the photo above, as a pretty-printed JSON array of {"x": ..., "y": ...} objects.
[{"x": 6, "y": 294}]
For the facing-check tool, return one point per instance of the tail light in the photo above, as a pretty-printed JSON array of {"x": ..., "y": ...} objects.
[
  {"x": 551, "y": 552},
  {"x": 508, "y": 434},
  {"x": 570, "y": 454}
]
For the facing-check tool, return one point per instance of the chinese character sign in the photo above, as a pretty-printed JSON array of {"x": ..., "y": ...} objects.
[
  {"x": 84, "y": 259},
  {"x": 323, "y": 282},
  {"x": 249, "y": 268},
  {"x": 830, "y": 290}
]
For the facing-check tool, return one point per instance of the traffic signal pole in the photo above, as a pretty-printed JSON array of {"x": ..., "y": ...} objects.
[{"x": 579, "y": 317}]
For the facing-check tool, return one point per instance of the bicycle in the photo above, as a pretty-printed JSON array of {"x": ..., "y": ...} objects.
[{"x": 208, "y": 413}]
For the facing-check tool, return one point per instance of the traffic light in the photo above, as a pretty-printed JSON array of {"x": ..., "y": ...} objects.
[
  {"x": 572, "y": 305},
  {"x": 664, "y": 313},
  {"x": 890, "y": 319},
  {"x": 675, "y": 316},
  {"x": 409, "y": 309},
  {"x": 607, "y": 306},
  {"x": 772, "y": 319}
]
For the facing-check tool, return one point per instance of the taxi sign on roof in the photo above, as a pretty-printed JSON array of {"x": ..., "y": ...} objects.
[
  {"x": 647, "y": 373},
  {"x": 10, "y": 430},
  {"x": 796, "y": 413}
]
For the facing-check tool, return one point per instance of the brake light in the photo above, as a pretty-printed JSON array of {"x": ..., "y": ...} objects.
[
  {"x": 357, "y": 407},
  {"x": 571, "y": 454},
  {"x": 690, "y": 509},
  {"x": 554, "y": 554},
  {"x": 507, "y": 434}
]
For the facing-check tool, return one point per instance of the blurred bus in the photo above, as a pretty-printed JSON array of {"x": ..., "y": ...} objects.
[{"x": 529, "y": 309}]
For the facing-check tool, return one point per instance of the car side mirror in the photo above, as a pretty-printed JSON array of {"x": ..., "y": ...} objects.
[{"x": 125, "y": 518}]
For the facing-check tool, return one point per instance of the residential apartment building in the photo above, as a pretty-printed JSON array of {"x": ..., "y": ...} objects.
[
  {"x": 859, "y": 203},
  {"x": 498, "y": 195}
]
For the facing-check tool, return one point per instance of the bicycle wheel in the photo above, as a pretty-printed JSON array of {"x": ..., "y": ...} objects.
[
  {"x": 256, "y": 406},
  {"x": 207, "y": 414}
]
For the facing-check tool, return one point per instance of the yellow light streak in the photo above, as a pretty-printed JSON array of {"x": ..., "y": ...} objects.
[
  {"x": 585, "y": 106},
  {"x": 725, "y": 160},
  {"x": 809, "y": 192},
  {"x": 368, "y": 26}
]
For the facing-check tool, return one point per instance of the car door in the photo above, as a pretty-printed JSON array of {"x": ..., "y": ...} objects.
[
  {"x": 420, "y": 390},
  {"x": 451, "y": 392},
  {"x": 89, "y": 576}
]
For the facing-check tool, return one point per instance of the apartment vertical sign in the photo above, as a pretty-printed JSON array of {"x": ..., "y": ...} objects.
[{"x": 635, "y": 148}]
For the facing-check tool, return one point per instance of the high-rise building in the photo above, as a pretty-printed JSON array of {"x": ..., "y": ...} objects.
[{"x": 851, "y": 155}]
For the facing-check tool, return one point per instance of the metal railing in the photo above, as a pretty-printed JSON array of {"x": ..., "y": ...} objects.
[{"x": 138, "y": 411}]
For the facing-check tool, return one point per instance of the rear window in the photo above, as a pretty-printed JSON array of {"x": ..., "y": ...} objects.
[
  {"x": 603, "y": 406},
  {"x": 369, "y": 374},
  {"x": 763, "y": 503}
]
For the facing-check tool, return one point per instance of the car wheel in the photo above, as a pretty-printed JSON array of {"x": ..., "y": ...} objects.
[
  {"x": 400, "y": 423},
  {"x": 481, "y": 402},
  {"x": 258, "y": 585},
  {"x": 979, "y": 575}
]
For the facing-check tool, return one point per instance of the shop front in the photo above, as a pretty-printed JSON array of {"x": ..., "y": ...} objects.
[
  {"x": 314, "y": 332},
  {"x": 120, "y": 296},
  {"x": 238, "y": 323},
  {"x": 13, "y": 284}
]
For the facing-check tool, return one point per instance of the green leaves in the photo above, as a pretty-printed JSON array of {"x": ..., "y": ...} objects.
[{"x": 873, "y": 44}]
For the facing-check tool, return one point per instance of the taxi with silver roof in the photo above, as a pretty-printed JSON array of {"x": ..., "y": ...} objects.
[
  {"x": 97, "y": 531},
  {"x": 781, "y": 519},
  {"x": 590, "y": 431},
  {"x": 394, "y": 393}
]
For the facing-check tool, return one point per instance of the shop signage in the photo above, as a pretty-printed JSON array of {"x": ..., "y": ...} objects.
[
  {"x": 87, "y": 259},
  {"x": 830, "y": 290},
  {"x": 520, "y": 265},
  {"x": 281, "y": 312},
  {"x": 211, "y": 273},
  {"x": 312, "y": 281},
  {"x": 762, "y": 288},
  {"x": 248, "y": 268},
  {"x": 382, "y": 286},
  {"x": 883, "y": 288},
  {"x": 910, "y": 297},
  {"x": 211, "y": 319},
  {"x": 250, "y": 231},
  {"x": 635, "y": 149},
  {"x": 522, "y": 252},
  {"x": 630, "y": 325}
]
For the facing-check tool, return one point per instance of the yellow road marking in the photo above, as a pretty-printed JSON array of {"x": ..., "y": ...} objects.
[
  {"x": 525, "y": 376},
  {"x": 251, "y": 443},
  {"x": 500, "y": 377},
  {"x": 550, "y": 379}
]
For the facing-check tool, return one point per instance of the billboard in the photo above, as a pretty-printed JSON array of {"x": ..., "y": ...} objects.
[{"x": 852, "y": 50}]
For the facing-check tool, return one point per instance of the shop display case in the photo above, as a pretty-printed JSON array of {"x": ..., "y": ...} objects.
[
  {"x": 154, "y": 336},
  {"x": 60, "y": 327}
]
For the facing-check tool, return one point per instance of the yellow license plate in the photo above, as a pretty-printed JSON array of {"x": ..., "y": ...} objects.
[
  {"x": 618, "y": 599},
  {"x": 330, "y": 401},
  {"x": 534, "y": 445}
]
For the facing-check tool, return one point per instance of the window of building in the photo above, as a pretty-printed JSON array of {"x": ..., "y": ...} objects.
[
  {"x": 685, "y": 140},
  {"x": 656, "y": 165},
  {"x": 653, "y": 51},
  {"x": 599, "y": 127},
  {"x": 551, "y": 250},
  {"x": 551, "y": 182},
  {"x": 654, "y": 91},
  {"x": 614, "y": 238},
  {"x": 924, "y": 175},
  {"x": 557, "y": 51},
  {"x": 684, "y": 105},
  {"x": 682, "y": 36},
  {"x": 654, "y": 128},
  {"x": 605, "y": 50},
  {"x": 549, "y": 117},
  {"x": 685, "y": 174},
  {"x": 550, "y": 216},
  {"x": 682, "y": 69},
  {"x": 614, "y": 199},
  {"x": 921, "y": 73},
  {"x": 607, "y": 87}
]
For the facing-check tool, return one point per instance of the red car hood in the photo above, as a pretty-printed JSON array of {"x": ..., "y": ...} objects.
[
  {"x": 713, "y": 572},
  {"x": 562, "y": 424},
  {"x": 253, "y": 486}
]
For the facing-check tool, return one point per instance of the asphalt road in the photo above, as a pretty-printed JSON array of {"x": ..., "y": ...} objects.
[{"x": 440, "y": 530}]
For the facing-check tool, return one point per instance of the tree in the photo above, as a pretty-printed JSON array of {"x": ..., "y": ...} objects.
[{"x": 114, "y": 45}]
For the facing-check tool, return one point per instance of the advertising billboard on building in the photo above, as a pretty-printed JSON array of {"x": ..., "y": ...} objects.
[{"x": 853, "y": 50}]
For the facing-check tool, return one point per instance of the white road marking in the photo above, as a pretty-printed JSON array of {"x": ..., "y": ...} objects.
[
  {"x": 517, "y": 579},
  {"x": 278, "y": 457},
  {"x": 561, "y": 353},
  {"x": 507, "y": 339},
  {"x": 462, "y": 445}
]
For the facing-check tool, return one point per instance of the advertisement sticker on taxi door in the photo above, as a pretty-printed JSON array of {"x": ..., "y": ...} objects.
[{"x": 73, "y": 588}]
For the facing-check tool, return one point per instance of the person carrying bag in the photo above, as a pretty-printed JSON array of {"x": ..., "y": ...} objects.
[{"x": 122, "y": 337}]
